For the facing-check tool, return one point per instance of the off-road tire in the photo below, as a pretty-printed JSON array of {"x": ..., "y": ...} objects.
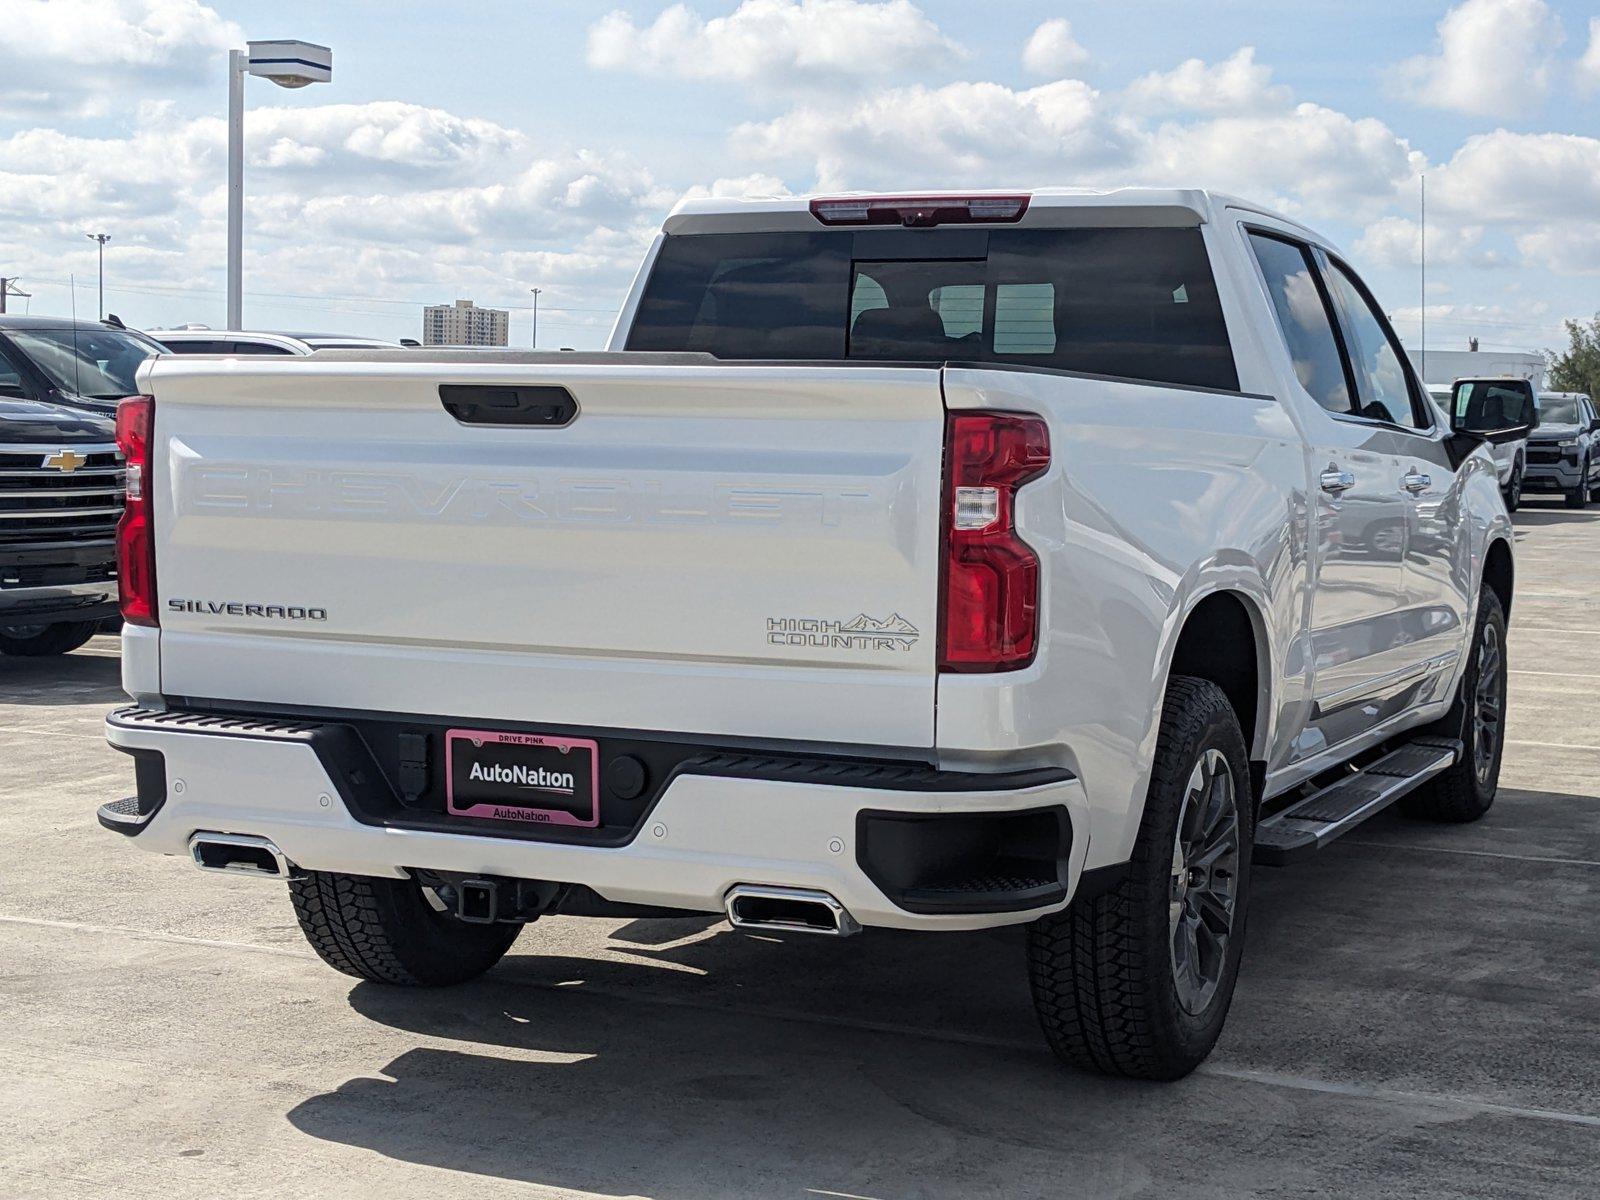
[
  {"x": 1458, "y": 795},
  {"x": 385, "y": 931},
  {"x": 1101, "y": 970},
  {"x": 60, "y": 638}
]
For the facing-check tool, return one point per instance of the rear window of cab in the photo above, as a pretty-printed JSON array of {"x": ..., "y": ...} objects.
[{"x": 1136, "y": 304}]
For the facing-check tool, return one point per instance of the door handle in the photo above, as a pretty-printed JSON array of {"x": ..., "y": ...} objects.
[
  {"x": 1336, "y": 481},
  {"x": 1415, "y": 481}
]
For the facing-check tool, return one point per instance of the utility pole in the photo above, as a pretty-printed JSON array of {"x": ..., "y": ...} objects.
[
  {"x": 8, "y": 287},
  {"x": 102, "y": 238},
  {"x": 536, "y": 292}
]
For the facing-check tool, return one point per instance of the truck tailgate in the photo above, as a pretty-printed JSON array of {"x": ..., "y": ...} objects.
[{"x": 704, "y": 549}]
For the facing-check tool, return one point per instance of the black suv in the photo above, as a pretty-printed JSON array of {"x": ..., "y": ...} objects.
[{"x": 61, "y": 479}]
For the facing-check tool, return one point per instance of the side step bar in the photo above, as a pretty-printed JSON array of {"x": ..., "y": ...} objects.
[{"x": 1310, "y": 824}]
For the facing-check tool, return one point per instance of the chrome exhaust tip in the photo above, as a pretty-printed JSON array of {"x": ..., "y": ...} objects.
[
  {"x": 788, "y": 910},
  {"x": 239, "y": 854}
]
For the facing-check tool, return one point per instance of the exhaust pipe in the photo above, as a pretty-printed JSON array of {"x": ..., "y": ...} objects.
[
  {"x": 239, "y": 854},
  {"x": 788, "y": 910}
]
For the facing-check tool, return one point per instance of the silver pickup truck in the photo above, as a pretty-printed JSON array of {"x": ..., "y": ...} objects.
[{"x": 932, "y": 563}]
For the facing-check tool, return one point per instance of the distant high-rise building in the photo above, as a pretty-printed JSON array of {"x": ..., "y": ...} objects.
[{"x": 464, "y": 324}]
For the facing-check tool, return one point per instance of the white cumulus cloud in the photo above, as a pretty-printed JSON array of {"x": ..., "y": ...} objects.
[
  {"x": 1052, "y": 52},
  {"x": 775, "y": 44},
  {"x": 1589, "y": 65},
  {"x": 77, "y": 58},
  {"x": 1397, "y": 242},
  {"x": 959, "y": 134},
  {"x": 1494, "y": 59},
  {"x": 1237, "y": 84}
]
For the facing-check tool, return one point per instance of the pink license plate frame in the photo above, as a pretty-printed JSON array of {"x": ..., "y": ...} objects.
[{"x": 517, "y": 812}]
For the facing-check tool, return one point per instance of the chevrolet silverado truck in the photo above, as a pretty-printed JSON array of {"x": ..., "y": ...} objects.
[
  {"x": 936, "y": 563},
  {"x": 60, "y": 478},
  {"x": 1564, "y": 455}
]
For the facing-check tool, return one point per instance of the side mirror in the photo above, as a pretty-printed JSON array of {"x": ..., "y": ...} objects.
[{"x": 1493, "y": 414}]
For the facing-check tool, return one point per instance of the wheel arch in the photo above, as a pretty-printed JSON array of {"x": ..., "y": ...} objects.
[
  {"x": 1499, "y": 571},
  {"x": 1223, "y": 638}
]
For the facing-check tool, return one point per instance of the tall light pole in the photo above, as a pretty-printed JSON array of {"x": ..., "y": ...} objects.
[
  {"x": 536, "y": 292},
  {"x": 288, "y": 64},
  {"x": 102, "y": 238}
]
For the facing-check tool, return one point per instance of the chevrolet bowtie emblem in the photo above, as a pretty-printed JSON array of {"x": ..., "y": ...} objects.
[{"x": 65, "y": 461}]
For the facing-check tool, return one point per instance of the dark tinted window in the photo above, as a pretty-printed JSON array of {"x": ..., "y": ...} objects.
[
  {"x": 1303, "y": 318},
  {"x": 1130, "y": 303},
  {"x": 191, "y": 347},
  {"x": 256, "y": 348},
  {"x": 1383, "y": 383}
]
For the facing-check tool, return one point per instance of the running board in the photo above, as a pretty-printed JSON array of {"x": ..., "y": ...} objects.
[{"x": 1310, "y": 824}]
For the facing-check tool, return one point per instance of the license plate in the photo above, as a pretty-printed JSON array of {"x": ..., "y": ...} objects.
[{"x": 531, "y": 777}]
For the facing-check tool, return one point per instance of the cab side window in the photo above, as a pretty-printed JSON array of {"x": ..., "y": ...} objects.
[
  {"x": 1384, "y": 389},
  {"x": 1303, "y": 318}
]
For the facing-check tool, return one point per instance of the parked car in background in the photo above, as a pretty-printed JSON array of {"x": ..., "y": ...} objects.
[
  {"x": 933, "y": 563},
  {"x": 1564, "y": 452},
  {"x": 82, "y": 364},
  {"x": 61, "y": 478},
  {"x": 224, "y": 341},
  {"x": 1501, "y": 396}
]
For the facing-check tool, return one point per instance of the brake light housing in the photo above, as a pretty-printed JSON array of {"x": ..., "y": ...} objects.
[
  {"x": 991, "y": 576},
  {"x": 136, "y": 544},
  {"x": 920, "y": 212}
]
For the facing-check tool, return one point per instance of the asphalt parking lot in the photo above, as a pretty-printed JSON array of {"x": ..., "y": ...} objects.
[{"x": 1419, "y": 1013}]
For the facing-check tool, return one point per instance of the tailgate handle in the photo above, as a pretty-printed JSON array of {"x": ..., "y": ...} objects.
[{"x": 502, "y": 404}]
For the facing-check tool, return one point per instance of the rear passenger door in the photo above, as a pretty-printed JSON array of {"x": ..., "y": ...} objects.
[{"x": 1358, "y": 512}]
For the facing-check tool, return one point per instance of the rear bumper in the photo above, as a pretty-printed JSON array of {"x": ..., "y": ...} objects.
[{"x": 871, "y": 847}]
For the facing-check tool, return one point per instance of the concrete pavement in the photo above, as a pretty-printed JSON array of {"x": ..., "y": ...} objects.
[{"x": 1419, "y": 1013}]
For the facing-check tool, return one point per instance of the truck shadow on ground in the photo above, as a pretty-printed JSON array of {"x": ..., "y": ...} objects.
[
  {"x": 710, "y": 1076},
  {"x": 65, "y": 680},
  {"x": 689, "y": 1062}
]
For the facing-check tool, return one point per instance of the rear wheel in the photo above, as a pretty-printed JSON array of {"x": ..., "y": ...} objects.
[
  {"x": 1137, "y": 981},
  {"x": 1466, "y": 791},
  {"x": 386, "y": 931},
  {"x": 43, "y": 641}
]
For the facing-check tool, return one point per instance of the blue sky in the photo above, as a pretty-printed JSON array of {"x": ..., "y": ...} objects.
[{"x": 481, "y": 149}]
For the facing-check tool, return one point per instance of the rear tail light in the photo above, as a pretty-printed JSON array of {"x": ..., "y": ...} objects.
[
  {"x": 136, "y": 545},
  {"x": 991, "y": 576},
  {"x": 920, "y": 211}
]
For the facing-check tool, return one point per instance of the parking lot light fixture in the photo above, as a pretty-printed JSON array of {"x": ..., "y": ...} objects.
[{"x": 289, "y": 64}]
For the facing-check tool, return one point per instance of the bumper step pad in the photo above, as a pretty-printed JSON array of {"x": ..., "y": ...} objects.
[{"x": 1312, "y": 823}]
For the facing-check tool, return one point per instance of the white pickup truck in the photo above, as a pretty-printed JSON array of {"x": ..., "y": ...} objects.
[{"x": 930, "y": 563}]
